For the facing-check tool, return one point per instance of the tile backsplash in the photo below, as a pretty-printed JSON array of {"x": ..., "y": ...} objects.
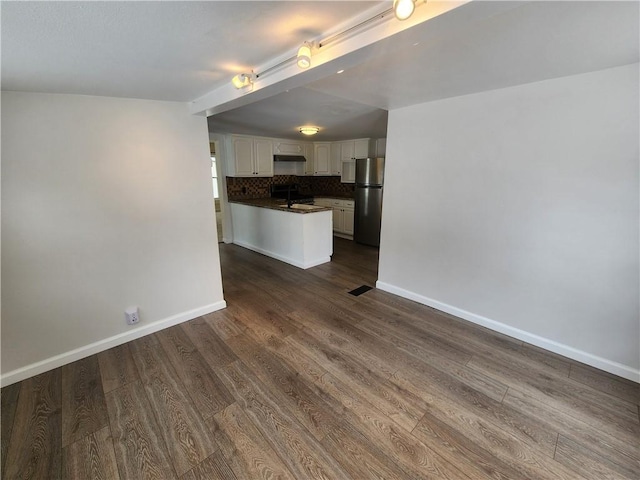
[{"x": 241, "y": 188}]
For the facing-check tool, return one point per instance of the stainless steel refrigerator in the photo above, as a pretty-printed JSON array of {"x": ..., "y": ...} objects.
[{"x": 369, "y": 181}]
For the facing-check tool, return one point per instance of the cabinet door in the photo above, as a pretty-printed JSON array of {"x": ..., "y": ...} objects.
[
  {"x": 309, "y": 155},
  {"x": 348, "y": 172},
  {"x": 381, "y": 147},
  {"x": 322, "y": 159},
  {"x": 347, "y": 220},
  {"x": 337, "y": 219},
  {"x": 347, "y": 150},
  {"x": 263, "y": 157},
  {"x": 243, "y": 156},
  {"x": 363, "y": 148},
  {"x": 336, "y": 159}
]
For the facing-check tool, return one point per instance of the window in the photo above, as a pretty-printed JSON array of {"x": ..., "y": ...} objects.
[{"x": 214, "y": 176}]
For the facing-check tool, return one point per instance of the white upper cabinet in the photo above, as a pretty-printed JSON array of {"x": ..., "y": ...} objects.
[
  {"x": 250, "y": 157},
  {"x": 347, "y": 150},
  {"x": 322, "y": 158},
  {"x": 350, "y": 150},
  {"x": 263, "y": 148},
  {"x": 348, "y": 172},
  {"x": 381, "y": 147},
  {"x": 288, "y": 147},
  {"x": 309, "y": 154},
  {"x": 363, "y": 148},
  {"x": 242, "y": 163},
  {"x": 336, "y": 159},
  {"x": 253, "y": 156}
]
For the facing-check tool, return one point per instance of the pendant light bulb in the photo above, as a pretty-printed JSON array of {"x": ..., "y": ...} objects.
[
  {"x": 304, "y": 56},
  {"x": 403, "y": 9}
]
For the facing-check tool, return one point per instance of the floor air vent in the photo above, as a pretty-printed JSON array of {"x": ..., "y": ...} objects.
[{"x": 360, "y": 290}]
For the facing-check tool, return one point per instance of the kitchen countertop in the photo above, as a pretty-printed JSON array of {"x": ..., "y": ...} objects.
[{"x": 277, "y": 204}]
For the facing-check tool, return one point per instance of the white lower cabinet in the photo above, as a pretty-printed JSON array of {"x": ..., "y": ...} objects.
[
  {"x": 343, "y": 213},
  {"x": 348, "y": 220}
]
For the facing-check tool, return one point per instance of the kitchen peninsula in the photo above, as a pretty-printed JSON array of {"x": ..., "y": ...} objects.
[{"x": 301, "y": 236}]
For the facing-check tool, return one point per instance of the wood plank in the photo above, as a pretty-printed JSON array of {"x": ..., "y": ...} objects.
[
  {"x": 212, "y": 348},
  {"x": 475, "y": 460},
  {"x": 35, "y": 446},
  {"x": 212, "y": 468},
  {"x": 244, "y": 448},
  {"x": 224, "y": 324},
  {"x": 606, "y": 382},
  {"x": 83, "y": 407},
  {"x": 139, "y": 446},
  {"x": 589, "y": 464},
  {"x": 604, "y": 441},
  {"x": 91, "y": 457},
  {"x": 411, "y": 454},
  {"x": 263, "y": 315},
  {"x": 8, "y": 403},
  {"x": 405, "y": 352},
  {"x": 394, "y": 401},
  {"x": 188, "y": 441},
  {"x": 207, "y": 392},
  {"x": 565, "y": 394},
  {"x": 530, "y": 462},
  {"x": 285, "y": 386},
  {"x": 439, "y": 389},
  {"x": 360, "y": 457},
  {"x": 299, "y": 450},
  {"x": 116, "y": 367}
]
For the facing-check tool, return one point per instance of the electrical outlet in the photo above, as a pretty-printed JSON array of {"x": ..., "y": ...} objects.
[{"x": 131, "y": 315}]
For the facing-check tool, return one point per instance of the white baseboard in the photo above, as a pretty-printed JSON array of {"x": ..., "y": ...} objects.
[
  {"x": 551, "y": 345},
  {"x": 283, "y": 258},
  {"x": 101, "y": 345}
]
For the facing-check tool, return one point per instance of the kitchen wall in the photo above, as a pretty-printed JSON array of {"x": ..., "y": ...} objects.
[
  {"x": 240, "y": 188},
  {"x": 524, "y": 213},
  {"x": 106, "y": 203}
]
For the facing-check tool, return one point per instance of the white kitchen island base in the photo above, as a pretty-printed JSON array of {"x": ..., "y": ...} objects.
[{"x": 300, "y": 239}]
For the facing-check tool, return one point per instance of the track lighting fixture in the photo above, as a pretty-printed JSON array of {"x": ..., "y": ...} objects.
[
  {"x": 304, "y": 56},
  {"x": 242, "y": 80},
  {"x": 403, "y": 9}
]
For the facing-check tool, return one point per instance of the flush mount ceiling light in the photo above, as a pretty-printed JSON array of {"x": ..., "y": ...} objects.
[
  {"x": 242, "y": 80},
  {"x": 304, "y": 56},
  {"x": 309, "y": 130},
  {"x": 403, "y": 9}
]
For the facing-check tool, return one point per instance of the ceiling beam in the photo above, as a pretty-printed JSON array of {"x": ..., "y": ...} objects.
[{"x": 346, "y": 52}]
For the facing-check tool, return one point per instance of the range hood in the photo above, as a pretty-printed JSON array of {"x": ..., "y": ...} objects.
[{"x": 289, "y": 158}]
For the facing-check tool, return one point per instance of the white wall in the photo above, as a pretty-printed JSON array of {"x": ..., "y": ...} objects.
[
  {"x": 106, "y": 203},
  {"x": 518, "y": 209}
]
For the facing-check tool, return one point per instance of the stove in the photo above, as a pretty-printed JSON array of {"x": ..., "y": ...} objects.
[{"x": 290, "y": 192}]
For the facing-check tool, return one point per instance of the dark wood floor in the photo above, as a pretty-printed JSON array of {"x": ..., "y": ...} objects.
[{"x": 298, "y": 379}]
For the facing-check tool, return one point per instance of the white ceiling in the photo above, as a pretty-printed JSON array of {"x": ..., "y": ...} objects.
[
  {"x": 157, "y": 50},
  {"x": 182, "y": 50}
]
